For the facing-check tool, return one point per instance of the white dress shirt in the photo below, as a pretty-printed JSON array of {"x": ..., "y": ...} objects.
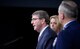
[{"x": 54, "y": 43}]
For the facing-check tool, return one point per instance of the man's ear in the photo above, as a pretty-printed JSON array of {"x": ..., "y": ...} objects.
[
  {"x": 62, "y": 16},
  {"x": 43, "y": 20}
]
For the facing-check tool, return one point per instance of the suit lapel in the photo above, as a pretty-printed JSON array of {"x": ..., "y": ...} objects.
[{"x": 42, "y": 34}]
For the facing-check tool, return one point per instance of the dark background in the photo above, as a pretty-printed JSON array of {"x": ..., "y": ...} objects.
[{"x": 16, "y": 30}]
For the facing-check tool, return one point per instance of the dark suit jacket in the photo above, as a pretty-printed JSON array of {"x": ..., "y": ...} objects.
[
  {"x": 70, "y": 37},
  {"x": 46, "y": 39}
]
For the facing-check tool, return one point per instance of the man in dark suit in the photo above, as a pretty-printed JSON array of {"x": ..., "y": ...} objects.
[
  {"x": 69, "y": 37},
  {"x": 40, "y": 21}
]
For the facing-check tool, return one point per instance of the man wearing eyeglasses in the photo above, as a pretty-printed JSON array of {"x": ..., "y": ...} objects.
[{"x": 40, "y": 21}]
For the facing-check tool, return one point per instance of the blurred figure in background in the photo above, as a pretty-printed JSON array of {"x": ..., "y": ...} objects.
[{"x": 56, "y": 26}]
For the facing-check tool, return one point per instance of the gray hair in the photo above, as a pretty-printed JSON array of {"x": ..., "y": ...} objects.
[
  {"x": 42, "y": 14},
  {"x": 69, "y": 8}
]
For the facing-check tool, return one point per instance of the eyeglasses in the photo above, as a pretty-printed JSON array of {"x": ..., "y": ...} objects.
[{"x": 34, "y": 19}]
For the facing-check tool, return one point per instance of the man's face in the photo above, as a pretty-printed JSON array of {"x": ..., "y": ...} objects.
[{"x": 36, "y": 22}]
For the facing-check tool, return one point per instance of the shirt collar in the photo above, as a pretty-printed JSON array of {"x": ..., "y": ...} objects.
[{"x": 65, "y": 25}]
